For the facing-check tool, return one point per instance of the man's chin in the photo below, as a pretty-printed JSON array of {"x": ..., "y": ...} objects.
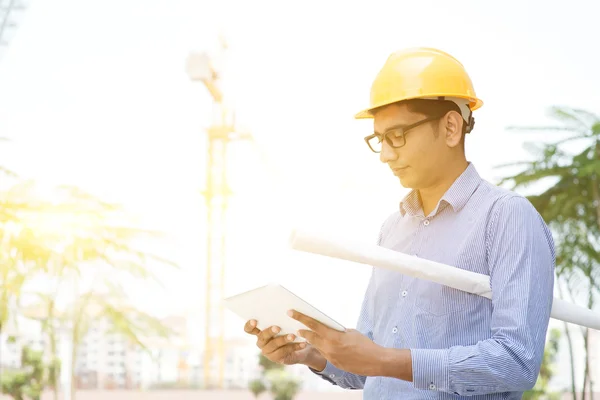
[{"x": 405, "y": 182}]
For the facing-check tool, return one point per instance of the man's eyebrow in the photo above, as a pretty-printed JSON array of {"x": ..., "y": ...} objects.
[{"x": 391, "y": 128}]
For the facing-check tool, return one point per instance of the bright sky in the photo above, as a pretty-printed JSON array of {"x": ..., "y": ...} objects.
[{"x": 96, "y": 94}]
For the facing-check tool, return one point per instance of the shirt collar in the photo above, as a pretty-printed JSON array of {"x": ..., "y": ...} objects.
[{"x": 456, "y": 196}]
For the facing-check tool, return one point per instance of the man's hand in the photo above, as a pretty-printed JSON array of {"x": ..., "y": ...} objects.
[
  {"x": 281, "y": 349},
  {"x": 350, "y": 351}
]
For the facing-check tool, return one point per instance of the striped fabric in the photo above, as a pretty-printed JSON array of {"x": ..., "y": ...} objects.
[{"x": 462, "y": 345}]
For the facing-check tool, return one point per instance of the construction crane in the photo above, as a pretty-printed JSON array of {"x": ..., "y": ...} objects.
[
  {"x": 201, "y": 67},
  {"x": 8, "y": 10}
]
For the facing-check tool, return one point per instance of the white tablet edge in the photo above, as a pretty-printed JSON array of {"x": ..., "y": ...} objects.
[{"x": 309, "y": 309}]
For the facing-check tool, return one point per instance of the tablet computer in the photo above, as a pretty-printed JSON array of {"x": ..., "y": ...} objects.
[{"x": 269, "y": 304}]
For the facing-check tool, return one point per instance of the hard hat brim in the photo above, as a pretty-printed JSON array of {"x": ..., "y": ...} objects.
[{"x": 474, "y": 104}]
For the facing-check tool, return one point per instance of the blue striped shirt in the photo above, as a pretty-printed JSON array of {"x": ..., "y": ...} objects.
[{"x": 462, "y": 345}]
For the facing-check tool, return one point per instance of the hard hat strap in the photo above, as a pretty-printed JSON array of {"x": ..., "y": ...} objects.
[
  {"x": 465, "y": 110},
  {"x": 470, "y": 124}
]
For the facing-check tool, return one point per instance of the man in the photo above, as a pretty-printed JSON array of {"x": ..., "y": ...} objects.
[{"x": 416, "y": 339}]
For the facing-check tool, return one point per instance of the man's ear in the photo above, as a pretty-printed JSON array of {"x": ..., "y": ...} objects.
[{"x": 453, "y": 123}]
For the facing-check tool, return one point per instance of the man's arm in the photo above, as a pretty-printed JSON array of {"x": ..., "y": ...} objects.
[{"x": 521, "y": 258}]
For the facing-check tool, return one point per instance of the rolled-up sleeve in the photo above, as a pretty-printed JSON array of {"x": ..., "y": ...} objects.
[{"x": 521, "y": 259}]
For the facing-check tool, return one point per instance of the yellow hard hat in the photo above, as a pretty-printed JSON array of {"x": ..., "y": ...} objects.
[{"x": 420, "y": 73}]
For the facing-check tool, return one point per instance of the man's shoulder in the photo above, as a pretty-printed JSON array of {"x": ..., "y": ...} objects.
[
  {"x": 506, "y": 204},
  {"x": 498, "y": 196},
  {"x": 497, "y": 192},
  {"x": 512, "y": 211}
]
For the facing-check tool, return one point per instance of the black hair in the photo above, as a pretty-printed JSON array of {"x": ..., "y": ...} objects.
[{"x": 434, "y": 108}]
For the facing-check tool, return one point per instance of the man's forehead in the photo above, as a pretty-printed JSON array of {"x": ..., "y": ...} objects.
[{"x": 393, "y": 115}]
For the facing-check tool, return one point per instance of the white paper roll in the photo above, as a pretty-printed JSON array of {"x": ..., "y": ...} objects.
[{"x": 377, "y": 256}]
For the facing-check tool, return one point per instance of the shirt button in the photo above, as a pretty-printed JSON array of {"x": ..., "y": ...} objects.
[
  {"x": 395, "y": 330},
  {"x": 404, "y": 293},
  {"x": 426, "y": 222},
  {"x": 432, "y": 386},
  {"x": 332, "y": 375}
]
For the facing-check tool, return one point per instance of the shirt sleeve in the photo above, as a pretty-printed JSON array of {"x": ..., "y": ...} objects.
[
  {"x": 521, "y": 258},
  {"x": 335, "y": 375}
]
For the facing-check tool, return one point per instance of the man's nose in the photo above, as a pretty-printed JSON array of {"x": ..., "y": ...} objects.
[{"x": 387, "y": 153}]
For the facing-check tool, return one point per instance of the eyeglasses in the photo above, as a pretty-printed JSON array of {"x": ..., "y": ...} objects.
[{"x": 395, "y": 137}]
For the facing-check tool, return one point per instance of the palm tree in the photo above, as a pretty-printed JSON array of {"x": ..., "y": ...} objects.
[
  {"x": 22, "y": 253},
  {"x": 106, "y": 302},
  {"x": 130, "y": 323},
  {"x": 570, "y": 205},
  {"x": 69, "y": 241}
]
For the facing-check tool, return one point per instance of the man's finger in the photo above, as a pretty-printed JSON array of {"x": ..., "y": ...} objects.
[
  {"x": 250, "y": 327},
  {"x": 309, "y": 322},
  {"x": 311, "y": 337},
  {"x": 265, "y": 335},
  {"x": 286, "y": 350},
  {"x": 277, "y": 342}
]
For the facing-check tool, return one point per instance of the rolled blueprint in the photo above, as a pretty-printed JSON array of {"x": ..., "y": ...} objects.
[{"x": 468, "y": 281}]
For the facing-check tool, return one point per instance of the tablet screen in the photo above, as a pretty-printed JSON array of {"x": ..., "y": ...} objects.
[{"x": 269, "y": 305}]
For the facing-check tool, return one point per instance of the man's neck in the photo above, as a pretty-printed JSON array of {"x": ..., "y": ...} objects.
[{"x": 431, "y": 196}]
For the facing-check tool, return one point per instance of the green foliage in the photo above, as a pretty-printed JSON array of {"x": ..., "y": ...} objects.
[
  {"x": 54, "y": 373},
  {"x": 537, "y": 394},
  {"x": 570, "y": 205},
  {"x": 282, "y": 384},
  {"x": 267, "y": 364},
  {"x": 13, "y": 384},
  {"x": 276, "y": 379},
  {"x": 29, "y": 381},
  {"x": 257, "y": 387},
  {"x": 61, "y": 238},
  {"x": 570, "y": 201},
  {"x": 67, "y": 232},
  {"x": 540, "y": 390}
]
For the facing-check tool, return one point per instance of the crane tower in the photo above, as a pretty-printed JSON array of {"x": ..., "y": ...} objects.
[{"x": 201, "y": 67}]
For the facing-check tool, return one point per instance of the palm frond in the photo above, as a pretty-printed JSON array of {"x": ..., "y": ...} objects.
[
  {"x": 8, "y": 172},
  {"x": 548, "y": 128},
  {"x": 513, "y": 164},
  {"x": 568, "y": 206},
  {"x": 570, "y": 117},
  {"x": 585, "y": 115},
  {"x": 596, "y": 129},
  {"x": 89, "y": 231}
]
